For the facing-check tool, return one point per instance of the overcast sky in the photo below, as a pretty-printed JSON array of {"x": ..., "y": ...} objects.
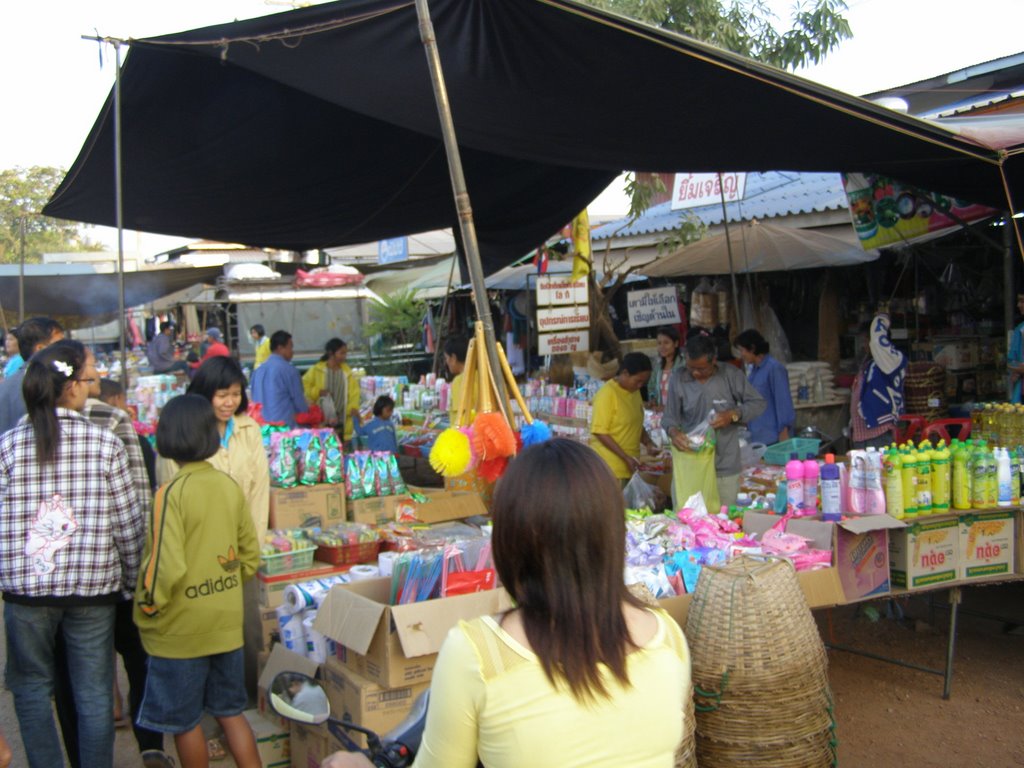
[{"x": 54, "y": 86}]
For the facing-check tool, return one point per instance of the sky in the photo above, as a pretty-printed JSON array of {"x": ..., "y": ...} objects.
[{"x": 54, "y": 84}]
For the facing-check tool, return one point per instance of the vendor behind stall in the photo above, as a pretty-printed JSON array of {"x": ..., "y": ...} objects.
[
  {"x": 617, "y": 422},
  {"x": 769, "y": 377},
  {"x": 721, "y": 396},
  {"x": 877, "y": 398}
]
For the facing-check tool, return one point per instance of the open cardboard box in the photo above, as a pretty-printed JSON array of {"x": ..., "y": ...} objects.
[
  {"x": 441, "y": 506},
  {"x": 280, "y": 660},
  {"x": 396, "y": 645},
  {"x": 860, "y": 555}
]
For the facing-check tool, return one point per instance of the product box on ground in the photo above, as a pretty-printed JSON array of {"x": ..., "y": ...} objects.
[
  {"x": 986, "y": 545},
  {"x": 271, "y": 740},
  {"x": 280, "y": 660},
  {"x": 925, "y": 553},
  {"x": 396, "y": 645},
  {"x": 358, "y": 700},
  {"x": 311, "y": 744},
  {"x": 860, "y": 555},
  {"x": 272, "y": 587},
  {"x": 307, "y": 505},
  {"x": 440, "y": 506}
]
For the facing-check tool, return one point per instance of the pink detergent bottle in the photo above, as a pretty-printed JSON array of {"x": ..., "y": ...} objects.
[
  {"x": 794, "y": 485},
  {"x": 811, "y": 473}
]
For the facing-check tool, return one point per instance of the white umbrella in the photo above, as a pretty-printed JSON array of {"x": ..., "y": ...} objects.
[{"x": 759, "y": 247}]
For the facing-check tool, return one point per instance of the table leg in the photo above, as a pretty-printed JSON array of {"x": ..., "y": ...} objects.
[{"x": 954, "y": 604}]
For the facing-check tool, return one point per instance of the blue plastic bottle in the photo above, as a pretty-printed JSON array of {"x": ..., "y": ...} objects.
[{"x": 831, "y": 503}]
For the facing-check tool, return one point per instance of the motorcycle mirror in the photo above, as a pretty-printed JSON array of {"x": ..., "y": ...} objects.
[{"x": 300, "y": 698}]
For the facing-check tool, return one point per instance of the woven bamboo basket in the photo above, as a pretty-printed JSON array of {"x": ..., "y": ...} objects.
[
  {"x": 924, "y": 389},
  {"x": 759, "y": 670}
]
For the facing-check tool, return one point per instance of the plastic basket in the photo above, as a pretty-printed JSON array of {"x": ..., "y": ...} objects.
[
  {"x": 349, "y": 554},
  {"x": 801, "y": 446},
  {"x": 296, "y": 560}
]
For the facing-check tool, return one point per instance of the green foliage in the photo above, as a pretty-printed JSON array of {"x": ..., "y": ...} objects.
[
  {"x": 398, "y": 319},
  {"x": 747, "y": 27},
  {"x": 23, "y": 193}
]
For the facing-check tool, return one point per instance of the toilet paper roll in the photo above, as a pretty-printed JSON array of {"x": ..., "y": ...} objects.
[
  {"x": 318, "y": 647},
  {"x": 293, "y": 633},
  {"x": 363, "y": 572},
  {"x": 310, "y": 594},
  {"x": 386, "y": 563}
]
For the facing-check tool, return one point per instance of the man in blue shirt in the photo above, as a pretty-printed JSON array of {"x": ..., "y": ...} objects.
[
  {"x": 33, "y": 335},
  {"x": 277, "y": 385},
  {"x": 768, "y": 376}
]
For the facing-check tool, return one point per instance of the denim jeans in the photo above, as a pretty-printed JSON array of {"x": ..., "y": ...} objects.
[{"x": 89, "y": 638}]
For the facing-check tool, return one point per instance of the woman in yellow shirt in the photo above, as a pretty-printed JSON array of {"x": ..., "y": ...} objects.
[
  {"x": 581, "y": 674},
  {"x": 617, "y": 419},
  {"x": 332, "y": 376}
]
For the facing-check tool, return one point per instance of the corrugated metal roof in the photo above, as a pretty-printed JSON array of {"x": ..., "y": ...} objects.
[{"x": 768, "y": 195}]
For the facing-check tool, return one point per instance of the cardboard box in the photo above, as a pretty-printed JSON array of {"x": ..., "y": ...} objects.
[
  {"x": 986, "y": 545},
  {"x": 860, "y": 555},
  {"x": 925, "y": 553},
  {"x": 307, "y": 505},
  {"x": 441, "y": 506},
  {"x": 396, "y": 645},
  {"x": 955, "y": 354},
  {"x": 363, "y": 702},
  {"x": 271, "y": 588},
  {"x": 271, "y": 740},
  {"x": 269, "y": 628},
  {"x": 311, "y": 744}
]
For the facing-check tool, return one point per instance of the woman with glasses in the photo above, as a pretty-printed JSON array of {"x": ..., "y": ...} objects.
[{"x": 71, "y": 531}]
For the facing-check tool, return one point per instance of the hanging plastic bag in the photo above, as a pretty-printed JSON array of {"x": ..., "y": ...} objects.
[
  {"x": 638, "y": 493},
  {"x": 326, "y": 403}
]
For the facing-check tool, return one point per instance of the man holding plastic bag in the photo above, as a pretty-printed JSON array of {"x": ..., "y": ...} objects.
[{"x": 707, "y": 404}]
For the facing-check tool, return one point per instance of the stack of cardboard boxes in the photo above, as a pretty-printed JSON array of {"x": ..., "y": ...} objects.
[{"x": 385, "y": 654}]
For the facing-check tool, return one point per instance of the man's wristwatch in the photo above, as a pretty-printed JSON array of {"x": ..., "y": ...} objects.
[{"x": 735, "y": 416}]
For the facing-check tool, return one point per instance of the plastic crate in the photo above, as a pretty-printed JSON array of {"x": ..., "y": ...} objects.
[
  {"x": 283, "y": 562},
  {"x": 349, "y": 554},
  {"x": 801, "y": 446}
]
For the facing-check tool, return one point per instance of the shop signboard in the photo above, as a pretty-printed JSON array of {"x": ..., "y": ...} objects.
[
  {"x": 563, "y": 343},
  {"x": 692, "y": 190},
  {"x": 653, "y": 306},
  {"x": 561, "y": 290},
  {"x": 885, "y": 211},
  {"x": 553, "y": 319},
  {"x": 392, "y": 250}
]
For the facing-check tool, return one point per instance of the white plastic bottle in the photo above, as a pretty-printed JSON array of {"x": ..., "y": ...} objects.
[
  {"x": 1005, "y": 498},
  {"x": 811, "y": 474}
]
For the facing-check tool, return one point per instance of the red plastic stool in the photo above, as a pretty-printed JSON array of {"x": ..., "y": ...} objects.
[
  {"x": 940, "y": 429},
  {"x": 909, "y": 427}
]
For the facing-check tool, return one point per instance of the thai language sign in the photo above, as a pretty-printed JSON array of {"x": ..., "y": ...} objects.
[
  {"x": 691, "y": 190},
  {"x": 563, "y": 318},
  {"x": 886, "y": 212},
  {"x": 563, "y": 343},
  {"x": 561, "y": 290},
  {"x": 653, "y": 306},
  {"x": 394, "y": 250}
]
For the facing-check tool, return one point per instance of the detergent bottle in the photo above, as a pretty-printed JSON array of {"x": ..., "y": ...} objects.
[
  {"x": 1004, "y": 495},
  {"x": 811, "y": 473},
  {"x": 892, "y": 465},
  {"x": 979, "y": 482},
  {"x": 831, "y": 497},
  {"x": 909, "y": 473},
  {"x": 991, "y": 479},
  {"x": 961, "y": 477},
  {"x": 1015, "y": 476},
  {"x": 940, "y": 478},
  {"x": 794, "y": 485},
  {"x": 924, "y": 478}
]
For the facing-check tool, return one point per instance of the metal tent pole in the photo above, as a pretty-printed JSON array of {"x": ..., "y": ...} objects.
[
  {"x": 119, "y": 212},
  {"x": 462, "y": 204}
]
